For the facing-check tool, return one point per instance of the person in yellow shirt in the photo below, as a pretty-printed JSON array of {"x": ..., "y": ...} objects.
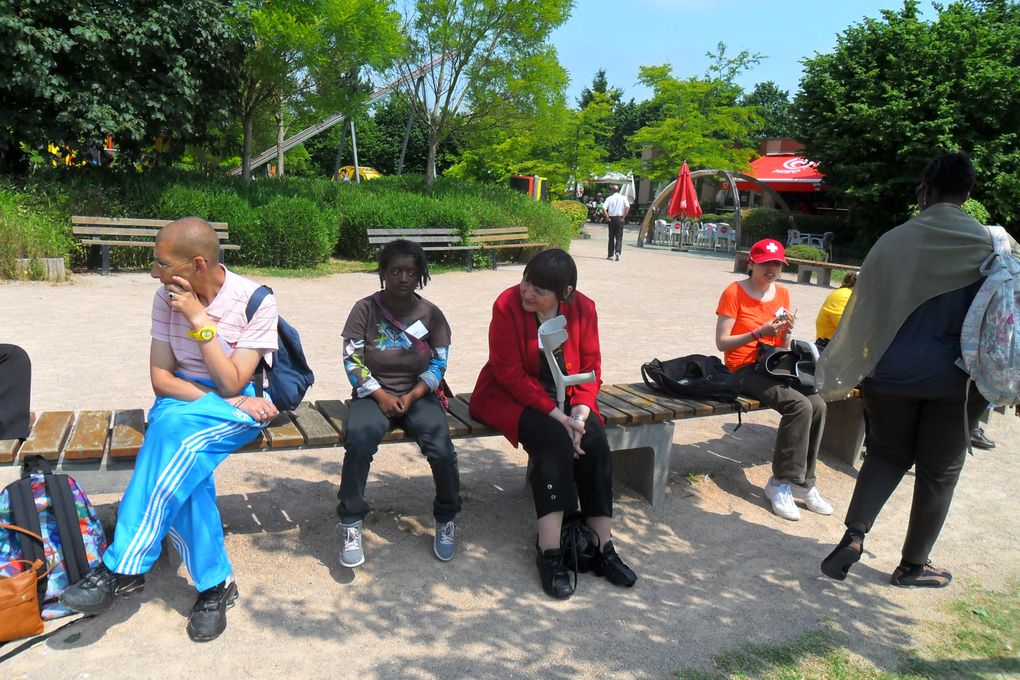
[{"x": 832, "y": 310}]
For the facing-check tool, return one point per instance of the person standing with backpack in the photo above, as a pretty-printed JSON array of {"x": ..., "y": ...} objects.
[
  {"x": 754, "y": 311},
  {"x": 901, "y": 333},
  {"x": 203, "y": 355}
]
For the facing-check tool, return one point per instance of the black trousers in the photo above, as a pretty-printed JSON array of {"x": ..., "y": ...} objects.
[
  {"x": 15, "y": 392},
  {"x": 558, "y": 480},
  {"x": 930, "y": 435},
  {"x": 366, "y": 426},
  {"x": 800, "y": 428},
  {"x": 977, "y": 407},
  {"x": 615, "y": 236}
]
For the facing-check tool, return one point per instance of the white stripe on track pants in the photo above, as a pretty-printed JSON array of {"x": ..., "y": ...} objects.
[{"x": 172, "y": 488}]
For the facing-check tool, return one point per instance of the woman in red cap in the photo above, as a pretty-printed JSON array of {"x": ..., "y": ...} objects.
[{"x": 757, "y": 310}]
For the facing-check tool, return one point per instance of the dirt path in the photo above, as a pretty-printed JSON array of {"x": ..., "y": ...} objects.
[{"x": 716, "y": 566}]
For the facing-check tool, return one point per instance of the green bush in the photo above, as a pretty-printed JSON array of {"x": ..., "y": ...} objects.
[
  {"x": 805, "y": 252},
  {"x": 759, "y": 223},
  {"x": 977, "y": 211},
  {"x": 299, "y": 234},
  {"x": 29, "y": 233},
  {"x": 575, "y": 211}
]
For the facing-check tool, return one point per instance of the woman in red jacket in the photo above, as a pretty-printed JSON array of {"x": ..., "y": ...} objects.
[{"x": 567, "y": 449}]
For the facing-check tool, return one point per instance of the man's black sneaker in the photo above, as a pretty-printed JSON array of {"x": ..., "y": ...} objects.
[
  {"x": 95, "y": 593},
  {"x": 209, "y": 615},
  {"x": 612, "y": 567},
  {"x": 980, "y": 440}
]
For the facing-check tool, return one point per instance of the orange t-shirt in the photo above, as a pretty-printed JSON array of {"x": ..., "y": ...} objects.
[{"x": 749, "y": 314}]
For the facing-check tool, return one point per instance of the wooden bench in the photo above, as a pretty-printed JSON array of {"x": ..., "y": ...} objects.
[
  {"x": 98, "y": 448},
  {"x": 804, "y": 268},
  {"x": 450, "y": 240},
  {"x": 130, "y": 232}
]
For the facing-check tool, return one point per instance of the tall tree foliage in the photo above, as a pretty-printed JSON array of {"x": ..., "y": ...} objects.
[
  {"x": 897, "y": 89},
  {"x": 774, "y": 107},
  {"x": 698, "y": 120},
  {"x": 311, "y": 55},
  {"x": 490, "y": 46},
  {"x": 74, "y": 72}
]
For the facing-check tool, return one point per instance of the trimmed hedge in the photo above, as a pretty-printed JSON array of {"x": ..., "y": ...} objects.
[
  {"x": 575, "y": 211},
  {"x": 338, "y": 210}
]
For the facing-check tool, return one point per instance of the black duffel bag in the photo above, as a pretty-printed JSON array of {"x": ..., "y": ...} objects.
[{"x": 695, "y": 376}]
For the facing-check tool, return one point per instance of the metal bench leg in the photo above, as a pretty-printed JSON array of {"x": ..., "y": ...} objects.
[
  {"x": 492, "y": 259},
  {"x": 470, "y": 260},
  {"x": 641, "y": 457},
  {"x": 106, "y": 259}
]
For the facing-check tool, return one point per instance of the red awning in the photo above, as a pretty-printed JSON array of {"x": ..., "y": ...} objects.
[{"x": 785, "y": 173}]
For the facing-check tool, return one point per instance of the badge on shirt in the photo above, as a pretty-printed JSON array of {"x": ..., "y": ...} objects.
[{"x": 417, "y": 329}]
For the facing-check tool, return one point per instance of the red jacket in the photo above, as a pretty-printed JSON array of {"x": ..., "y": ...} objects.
[{"x": 509, "y": 380}]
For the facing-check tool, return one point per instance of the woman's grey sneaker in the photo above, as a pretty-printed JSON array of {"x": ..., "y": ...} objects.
[
  {"x": 209, "y": 615},
  {"x": 812, "y": 500},
  {"x": 446, "y": 539},
  {"x": 95, "y": 593},
  {"x": 351, "y": 552},
  {"x": 925, "y": 575}
]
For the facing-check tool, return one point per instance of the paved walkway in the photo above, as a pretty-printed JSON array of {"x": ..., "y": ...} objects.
[{"x": 716, "y": 567}]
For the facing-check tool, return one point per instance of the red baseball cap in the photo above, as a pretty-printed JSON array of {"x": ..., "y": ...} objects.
[{"x": 767, "y": 250}]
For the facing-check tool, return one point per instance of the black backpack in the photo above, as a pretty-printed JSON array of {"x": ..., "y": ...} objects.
[
  {"x": 289, "y": 377},
  {"x": 695, "y": 376}
]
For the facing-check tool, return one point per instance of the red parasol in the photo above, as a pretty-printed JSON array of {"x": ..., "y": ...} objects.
[{"x": 684, "y": 201}]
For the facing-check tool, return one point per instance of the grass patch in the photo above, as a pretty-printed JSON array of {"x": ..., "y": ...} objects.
[
  {"x": 328, "y": 268},
  {"x": 694, "y": 477},
  {"x": 980, "y": 643}
]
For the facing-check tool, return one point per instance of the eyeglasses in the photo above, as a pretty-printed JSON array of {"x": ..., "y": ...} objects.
[{"x": 163, "y": 266}]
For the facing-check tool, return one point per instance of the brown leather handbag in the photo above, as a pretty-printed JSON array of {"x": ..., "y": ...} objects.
[{"x": 19, "y": 597}]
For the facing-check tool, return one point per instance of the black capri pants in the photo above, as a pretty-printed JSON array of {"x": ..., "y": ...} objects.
[{"x": 558, "y": 480}]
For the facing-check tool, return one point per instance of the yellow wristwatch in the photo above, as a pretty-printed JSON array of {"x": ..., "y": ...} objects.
[{"x": 203, "y": 334}]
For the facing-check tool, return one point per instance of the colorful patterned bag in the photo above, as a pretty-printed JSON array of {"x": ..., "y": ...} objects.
[
  {"x": 56, "y": 508},
  {"x": 990, "y": 338}
]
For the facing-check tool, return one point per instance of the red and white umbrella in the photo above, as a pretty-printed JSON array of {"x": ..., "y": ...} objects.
[{"x": 684, "y": 201}]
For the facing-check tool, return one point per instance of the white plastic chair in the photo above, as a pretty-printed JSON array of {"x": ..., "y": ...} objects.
[
  {"x": 793, "y": 237},
  {"x": 727, "y": 235},
  {"x": 676, "y": 233},
  {"x": 662, "y": 231},
  {"x": 706, "y": 236}
]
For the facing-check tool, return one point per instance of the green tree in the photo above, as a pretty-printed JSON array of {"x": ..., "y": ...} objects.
[
  {"x": 774, "y": 107},
  {"x": 698, "y": 121},
  {"x": 897, "y": 89},
  {"x": 491, "y": 49},
  {"x": 310, "y": 56},
  {"x": 599, "y": 85},
  {"x": 74, "y": 72}
]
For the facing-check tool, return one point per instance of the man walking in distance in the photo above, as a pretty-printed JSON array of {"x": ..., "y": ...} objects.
[
  {"x": 203, "y": 354},
  {"x": 617, "y": 207}
]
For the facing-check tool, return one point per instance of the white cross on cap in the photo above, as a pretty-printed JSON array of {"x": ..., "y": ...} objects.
[{"x": 772, "y": 247}]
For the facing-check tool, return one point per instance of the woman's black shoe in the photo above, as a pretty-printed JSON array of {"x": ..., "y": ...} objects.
[
  {"x": 837, "y": 564},
  {"x": 554, "y": 573},
  {"x": 609, "y": 564}
]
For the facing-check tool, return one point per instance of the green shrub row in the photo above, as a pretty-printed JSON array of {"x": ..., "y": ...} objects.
[
  {"x": 288, "y": 222},
  {"x": 575, "y": 211},
  {"x": 28, "y": 231}
]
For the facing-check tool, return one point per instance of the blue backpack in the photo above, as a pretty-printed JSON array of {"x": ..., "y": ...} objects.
[{"x": 289, "y": 377}]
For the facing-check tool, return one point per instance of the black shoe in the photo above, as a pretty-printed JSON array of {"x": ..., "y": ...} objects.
[
  {"x": 925, "y": 575},
  {"x": 95, "y": 593},
  {"x": 609, "y": 564},
  {"x": 209, "y": 615},
  {"x": 979, "y": 440},
  {"x": 837, "y": 563},
  {"x": 554, "y": 573}
]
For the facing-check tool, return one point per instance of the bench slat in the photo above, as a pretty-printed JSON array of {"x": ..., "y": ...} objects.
[
  {"x": 679, "y": 408},
  {"x": 375, "y": 240},
  {"x": 141, "y": 244},
  {"x": 658, "y": 412},
  {"x": 455, "y": 427},
  {"x": 121, "y": 231},
  {"x": 8, "y": 449},
  {"x": 513, "y": 245},
  {"x": 314, "y": 427},
  {"x": 335, "y": 412},
  {"x": 497, "y": 238},
  {"x": 48, "y": 435},
  {"x": 428, "y": 231},
  {"x": 459, "y": 409},
  {"x": 634, "y": 413},
  {"x": 394, "y": 435},
  {"x": 283, "y": 433},
  {"x": 257, "y": 444},
  {"x": 499, "y": 230},
  {"x": 128, "y": 221},
  {"x": 128, "y": 433},
  {"x": 612, "y": 416},
  {"x": 88, "y": 438}
]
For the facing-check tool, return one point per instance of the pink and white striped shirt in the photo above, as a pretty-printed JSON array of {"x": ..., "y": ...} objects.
[{"x": 227, "y": 312}]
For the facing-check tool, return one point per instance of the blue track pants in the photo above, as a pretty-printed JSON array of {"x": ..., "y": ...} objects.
[{"x": 172, "y": 488}]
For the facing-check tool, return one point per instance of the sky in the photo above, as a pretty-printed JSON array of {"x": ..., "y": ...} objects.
[{"x": 620, "y": 36}]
